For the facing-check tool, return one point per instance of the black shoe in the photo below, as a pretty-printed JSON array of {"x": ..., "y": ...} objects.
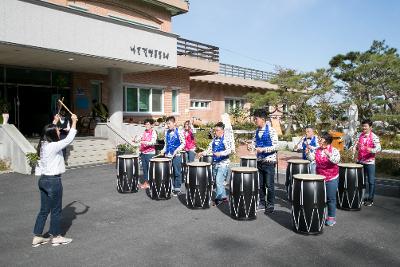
[
  {"x": 218, "y": 202},
  {"x": 174, "y": 193},
  {"x": 261, "y": 206},
  {"x": 269, "y": 209}
]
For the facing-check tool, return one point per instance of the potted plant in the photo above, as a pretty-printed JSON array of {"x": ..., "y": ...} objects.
[{"x": 4, "y": 109}]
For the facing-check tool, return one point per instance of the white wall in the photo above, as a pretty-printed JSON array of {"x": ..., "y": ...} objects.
[{"x": 62, "y": 29}]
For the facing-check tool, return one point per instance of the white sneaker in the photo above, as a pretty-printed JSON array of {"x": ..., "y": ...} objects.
[
  {"x": 39, "y": 240},
  {"x": 60, "y": 240}
]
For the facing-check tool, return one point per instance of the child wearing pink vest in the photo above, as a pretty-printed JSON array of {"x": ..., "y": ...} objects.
[
  {"x": 190, "y": 142},
  {"x": 147, "y": 149},
  {"x": 326, "y": 158}
]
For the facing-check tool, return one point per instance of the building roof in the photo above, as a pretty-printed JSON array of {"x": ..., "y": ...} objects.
[{"x": 234, "y": 81}]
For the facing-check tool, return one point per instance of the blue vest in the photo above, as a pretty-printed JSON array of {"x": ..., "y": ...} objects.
[
  {"x": 173, "y": 141},
  {"x": 304, "y": 145},
  {"x": 263, "y": 141},
  {"x": 218, "y": 147}
]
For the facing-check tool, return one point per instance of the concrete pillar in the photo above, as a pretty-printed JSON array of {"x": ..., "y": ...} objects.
[{"x": 116, "y": 96}]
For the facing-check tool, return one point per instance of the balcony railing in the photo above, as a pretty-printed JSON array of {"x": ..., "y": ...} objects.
[
  {"x": 245, "y": 73},
  {"x": 198, "y": 50}
]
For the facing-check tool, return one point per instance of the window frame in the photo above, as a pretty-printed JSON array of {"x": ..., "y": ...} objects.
[
  {"x": 138, "y": 87},
  {"x": 200, "y": 101}
]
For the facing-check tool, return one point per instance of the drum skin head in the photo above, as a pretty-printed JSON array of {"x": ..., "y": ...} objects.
[
  {"x": 350, "y": 165},
  {"x": 300, "y": 161},
  {"x": 309, "y": 177},
  {"x": 244, "y": 169},
  {"x": 198, "y": 164},
  {"x": 160, "y": 159},
  {"x": 249, "y": 157},
  {"x": 128, "y": 156}
]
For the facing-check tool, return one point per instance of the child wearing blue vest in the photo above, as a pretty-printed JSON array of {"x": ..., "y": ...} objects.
[
  {"x": 308, "y": 144},
  {"x": 220, "y": 148},
  {"x": 265, "y": 143},
  {"x": 174, "y": 143}
]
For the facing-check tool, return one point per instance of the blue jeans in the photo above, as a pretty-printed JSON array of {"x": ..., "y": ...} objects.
[
  {"x": 51, "y": 192},
  {"x": 369, "y": 171},
  {"x": 266, "y": 171},
  {"x": 220, "y": 173},
  {"x": 191, "y": 156},
  {"x": 313, "y": 167},
  {"x": 331, "y": 188},
  {"x": 177, "y": 172},
  {"x": 145, "y": 165}
]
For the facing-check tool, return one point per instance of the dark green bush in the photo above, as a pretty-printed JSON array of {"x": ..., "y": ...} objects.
[{"x": 388, "y": 164}]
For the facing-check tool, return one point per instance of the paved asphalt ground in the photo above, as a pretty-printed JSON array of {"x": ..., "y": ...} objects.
[{"x": 133, "y": 230}]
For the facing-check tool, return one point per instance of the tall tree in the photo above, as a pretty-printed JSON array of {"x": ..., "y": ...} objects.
[{"x": 370, "y": 79}]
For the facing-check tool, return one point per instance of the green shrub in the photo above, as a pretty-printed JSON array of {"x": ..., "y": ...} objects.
[
  {"x": 32, "y": 159},
  {"x": 347, "y": 156},
  {"x": 127, "y": 149},
  {"x": 249, "y": 126},
  {"x": 202, "y": 139},
  {"x": 387, "y": 163},
  {"x": 390, "y": 141}
]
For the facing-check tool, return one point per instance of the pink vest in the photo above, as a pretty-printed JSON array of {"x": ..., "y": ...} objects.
[
  {"x": 324, "y": 166},
  {"x": 147, "y": 138},
  {"x": 363, "y": 145},
  {"x": 190, "y": 143}
]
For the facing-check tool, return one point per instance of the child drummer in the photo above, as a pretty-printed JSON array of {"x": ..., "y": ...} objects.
[
  {"x": 174, "y": 144},
  {"x": 220, "y": 148}
]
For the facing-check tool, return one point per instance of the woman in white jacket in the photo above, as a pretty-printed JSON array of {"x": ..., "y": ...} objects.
[{"x": 50, "y": 167}]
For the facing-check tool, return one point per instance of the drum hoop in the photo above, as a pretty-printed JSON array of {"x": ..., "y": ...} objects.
[
  {"x": 298, "y": 161},
  {"x": 198, "y": 164},
  {"x": 160, "y": 159},
  {"x": 350, "y": 165},
  {"x": 128, "y": 156},
  {"x": 309, "y": 177},
  {"x": 244, "y": 169}
]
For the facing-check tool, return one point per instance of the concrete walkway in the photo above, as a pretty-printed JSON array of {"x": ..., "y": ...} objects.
[{"x": 133, "y": 230}]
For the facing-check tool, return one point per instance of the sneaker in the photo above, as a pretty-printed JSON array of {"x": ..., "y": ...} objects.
[
  {"x": 39, "y": 240},
  {"x": 176, "y": 193},
  {"x": 145, "y": 185},
  {"x": 261, "y": 206},
  {"x": 60, "y": 240},
  {"x": 369, "y": 203},
  {"x": 330, "y": 221}
]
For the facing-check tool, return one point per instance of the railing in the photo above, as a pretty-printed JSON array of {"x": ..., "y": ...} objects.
[
  {"x": 245, "y": 73},
  {"x": 198, "y": 50}
]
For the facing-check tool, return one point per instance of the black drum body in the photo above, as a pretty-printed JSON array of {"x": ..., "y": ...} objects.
[
  {"x": 127, "y": 173},
  {"x": 207, "y": 158},
  {"x": 295, "y": 167},
  {"x": 243, "y": 196},
  {"x": 198, "y": 185},
  {"x": 351, "y": 187},
  {"x": 309, "y": 205},
  {"x": 248, "y": 162},
  {"x": 184, "y": 168},
  {"x": 160, "y": 173}
]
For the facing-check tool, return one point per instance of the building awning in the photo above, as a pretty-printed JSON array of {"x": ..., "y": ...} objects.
[{"x": 234, "y": 81}]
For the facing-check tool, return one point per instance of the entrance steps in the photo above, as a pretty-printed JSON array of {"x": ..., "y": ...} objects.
[{"x": 86, "y": 151}]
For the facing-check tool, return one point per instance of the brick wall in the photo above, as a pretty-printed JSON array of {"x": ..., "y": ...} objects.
[
  {"x": 81, "y": 84},
  {"x": 169, "y": 80},
  {"x": 217, "y": 94},
  {"x": 134, "y": 10}
]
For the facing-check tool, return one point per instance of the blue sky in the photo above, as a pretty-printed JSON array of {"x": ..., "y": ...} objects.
[{"x": 300, "y": 34}]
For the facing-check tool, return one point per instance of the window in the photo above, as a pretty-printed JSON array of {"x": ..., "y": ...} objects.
[
  {"x": 200, "y": 104},
  {"x": 175, "y": 101},
  {"x": 144, "y": 100},
  {"x": 232, "y": 103}
]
